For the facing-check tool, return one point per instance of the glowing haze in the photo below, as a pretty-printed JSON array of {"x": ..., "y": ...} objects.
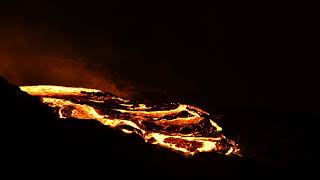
[
  {"x": 180, "y": 127},
  {"x": 31, "y": 55}
]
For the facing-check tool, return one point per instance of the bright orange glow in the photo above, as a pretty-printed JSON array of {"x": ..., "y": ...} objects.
[{"x": 183, "y": 128}]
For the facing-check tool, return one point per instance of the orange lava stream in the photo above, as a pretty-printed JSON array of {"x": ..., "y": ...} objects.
[{"x": 183, "y": 128}]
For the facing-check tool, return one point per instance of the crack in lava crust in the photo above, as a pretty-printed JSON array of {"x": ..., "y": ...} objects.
[{"x": 183, "y": 128}]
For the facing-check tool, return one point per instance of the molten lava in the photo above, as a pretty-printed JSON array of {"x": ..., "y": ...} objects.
[{"x": 179, "y": 127}]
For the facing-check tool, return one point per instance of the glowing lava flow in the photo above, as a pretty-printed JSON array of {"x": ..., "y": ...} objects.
[{"x": 182, "y": 128}]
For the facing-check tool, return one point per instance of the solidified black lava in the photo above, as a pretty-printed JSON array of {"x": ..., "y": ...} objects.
[{"x": 35, "y": 138}]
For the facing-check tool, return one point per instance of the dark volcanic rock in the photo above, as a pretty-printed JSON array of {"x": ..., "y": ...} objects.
[
  {"x": 23, "y": 116},
  {"x": 35, "y": 138}
]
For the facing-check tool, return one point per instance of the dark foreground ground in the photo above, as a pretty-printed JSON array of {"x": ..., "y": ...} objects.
[{"x": 35, "y": 140}]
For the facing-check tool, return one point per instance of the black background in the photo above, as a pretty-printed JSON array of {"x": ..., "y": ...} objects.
[
  {"x": 235, "y": 59},
  {"x": 222, "y": 53}
]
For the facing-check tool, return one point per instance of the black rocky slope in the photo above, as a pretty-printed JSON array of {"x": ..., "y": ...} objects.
[{"x": 35, "y": 139}]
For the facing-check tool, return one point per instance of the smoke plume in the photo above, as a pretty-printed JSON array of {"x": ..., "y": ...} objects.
[{"x": 39, "y": 55}]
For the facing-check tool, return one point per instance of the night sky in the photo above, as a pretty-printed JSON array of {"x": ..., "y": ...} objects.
[
  {"x": 228, "y": 54},
  {"x": 220, "y": 53},
  {"x": 222, "y": 57}
]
